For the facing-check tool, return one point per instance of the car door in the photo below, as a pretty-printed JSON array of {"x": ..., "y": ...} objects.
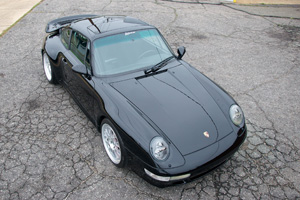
[{"x": 81, "y": 86}]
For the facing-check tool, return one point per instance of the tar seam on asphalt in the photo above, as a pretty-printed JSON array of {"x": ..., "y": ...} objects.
[{"x": 226, "y": 5}]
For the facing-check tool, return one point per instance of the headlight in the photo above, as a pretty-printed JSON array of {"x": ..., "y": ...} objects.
[
  {"x": 159, "y": 148},
  {"x": 236, "y": 115}
]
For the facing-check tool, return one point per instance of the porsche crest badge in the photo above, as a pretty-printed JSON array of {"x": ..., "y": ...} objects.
[{"x": 206, "y": 134}]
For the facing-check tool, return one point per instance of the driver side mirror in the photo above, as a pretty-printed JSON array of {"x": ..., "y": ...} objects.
[
  {"x": 81, "y": 69},
  {"x": 181, "y": 52}
]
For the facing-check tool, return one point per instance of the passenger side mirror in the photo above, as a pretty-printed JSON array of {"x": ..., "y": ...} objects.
[
  {"x": 81, "y": 69},
  {"x": 181, "y": 52}
]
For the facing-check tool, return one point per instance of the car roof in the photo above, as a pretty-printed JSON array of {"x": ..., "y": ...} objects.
[{"x": 99, "y": 26}]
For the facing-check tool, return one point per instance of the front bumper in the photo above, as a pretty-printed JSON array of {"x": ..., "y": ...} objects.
[{"x": 163, "y": 180}]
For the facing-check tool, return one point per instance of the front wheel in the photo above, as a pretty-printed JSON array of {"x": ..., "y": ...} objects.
[
  {"x": 48, "y": 69},
  {"x": 113, "y": 144}
]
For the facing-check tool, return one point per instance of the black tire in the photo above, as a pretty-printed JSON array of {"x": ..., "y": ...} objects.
[
  {"x": 48, "y": 69},
  {"x": 113, "y": 144}
]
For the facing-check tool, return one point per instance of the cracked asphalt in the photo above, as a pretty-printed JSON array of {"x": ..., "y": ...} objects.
[{"x": 49, "y": 150}]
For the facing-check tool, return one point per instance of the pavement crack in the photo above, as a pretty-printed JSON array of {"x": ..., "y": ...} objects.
[
  {"x": 261, "y": 109},
  {"x": 81, "y": 183},
  {"x": 289, "y": 71},
  {"x": 106, "y": 5},
  {"x": 170, "y": 7}
]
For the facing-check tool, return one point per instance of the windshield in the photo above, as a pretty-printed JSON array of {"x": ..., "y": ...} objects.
[{"x": 129, "y": 51}]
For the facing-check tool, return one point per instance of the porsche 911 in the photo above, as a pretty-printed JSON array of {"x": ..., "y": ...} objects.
[{"x": 155, "y": 112}]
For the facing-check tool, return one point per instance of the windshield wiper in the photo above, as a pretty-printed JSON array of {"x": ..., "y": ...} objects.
[{"x": 159, "y": 65}]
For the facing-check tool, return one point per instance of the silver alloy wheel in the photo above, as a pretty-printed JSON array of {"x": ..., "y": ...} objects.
[
  {"x": 47, "y": 67},
  {"x": 111, "y": 143}
]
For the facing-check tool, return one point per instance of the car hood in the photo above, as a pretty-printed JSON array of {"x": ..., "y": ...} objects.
[{"x": 176, "y": 102}]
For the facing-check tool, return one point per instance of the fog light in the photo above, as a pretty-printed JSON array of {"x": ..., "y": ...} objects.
[
  {"x": 184, "y": 176},
  {"x": 166, "y": 178}
]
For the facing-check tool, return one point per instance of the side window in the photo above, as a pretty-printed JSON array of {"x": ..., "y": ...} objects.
[
  {"x": 65, "y": 37},
  {"x": 78, "y": 45}
]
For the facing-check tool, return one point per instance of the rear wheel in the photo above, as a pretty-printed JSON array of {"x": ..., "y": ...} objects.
[
  {"x": 113, "y": 144},
  {"x": 48, "y": 70}
]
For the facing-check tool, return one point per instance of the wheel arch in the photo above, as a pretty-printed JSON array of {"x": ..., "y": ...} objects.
[
  {"x": 53, "y": 46},
  {"x": 99, "y": 120}
]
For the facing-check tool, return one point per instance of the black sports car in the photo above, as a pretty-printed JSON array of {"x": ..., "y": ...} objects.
[{"x": 154, "y": 111}]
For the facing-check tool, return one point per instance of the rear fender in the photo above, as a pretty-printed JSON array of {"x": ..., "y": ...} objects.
[{"x": 53, "y": 46}]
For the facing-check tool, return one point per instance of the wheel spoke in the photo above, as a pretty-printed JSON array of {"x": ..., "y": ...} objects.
[
  {"x": 111, "y": 143},
  {"x": 47, "y": 67}
]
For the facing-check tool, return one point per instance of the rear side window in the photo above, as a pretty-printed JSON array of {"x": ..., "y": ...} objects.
[
  {"x": 78, "y": 45},
  {"x": 65, "y": 37}
]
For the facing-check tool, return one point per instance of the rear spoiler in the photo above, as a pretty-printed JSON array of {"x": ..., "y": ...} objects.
[{"x": 56, "y": 24}]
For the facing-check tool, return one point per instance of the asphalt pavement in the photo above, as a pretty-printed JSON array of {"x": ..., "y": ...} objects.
[{"x": 49, "y": 150}]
